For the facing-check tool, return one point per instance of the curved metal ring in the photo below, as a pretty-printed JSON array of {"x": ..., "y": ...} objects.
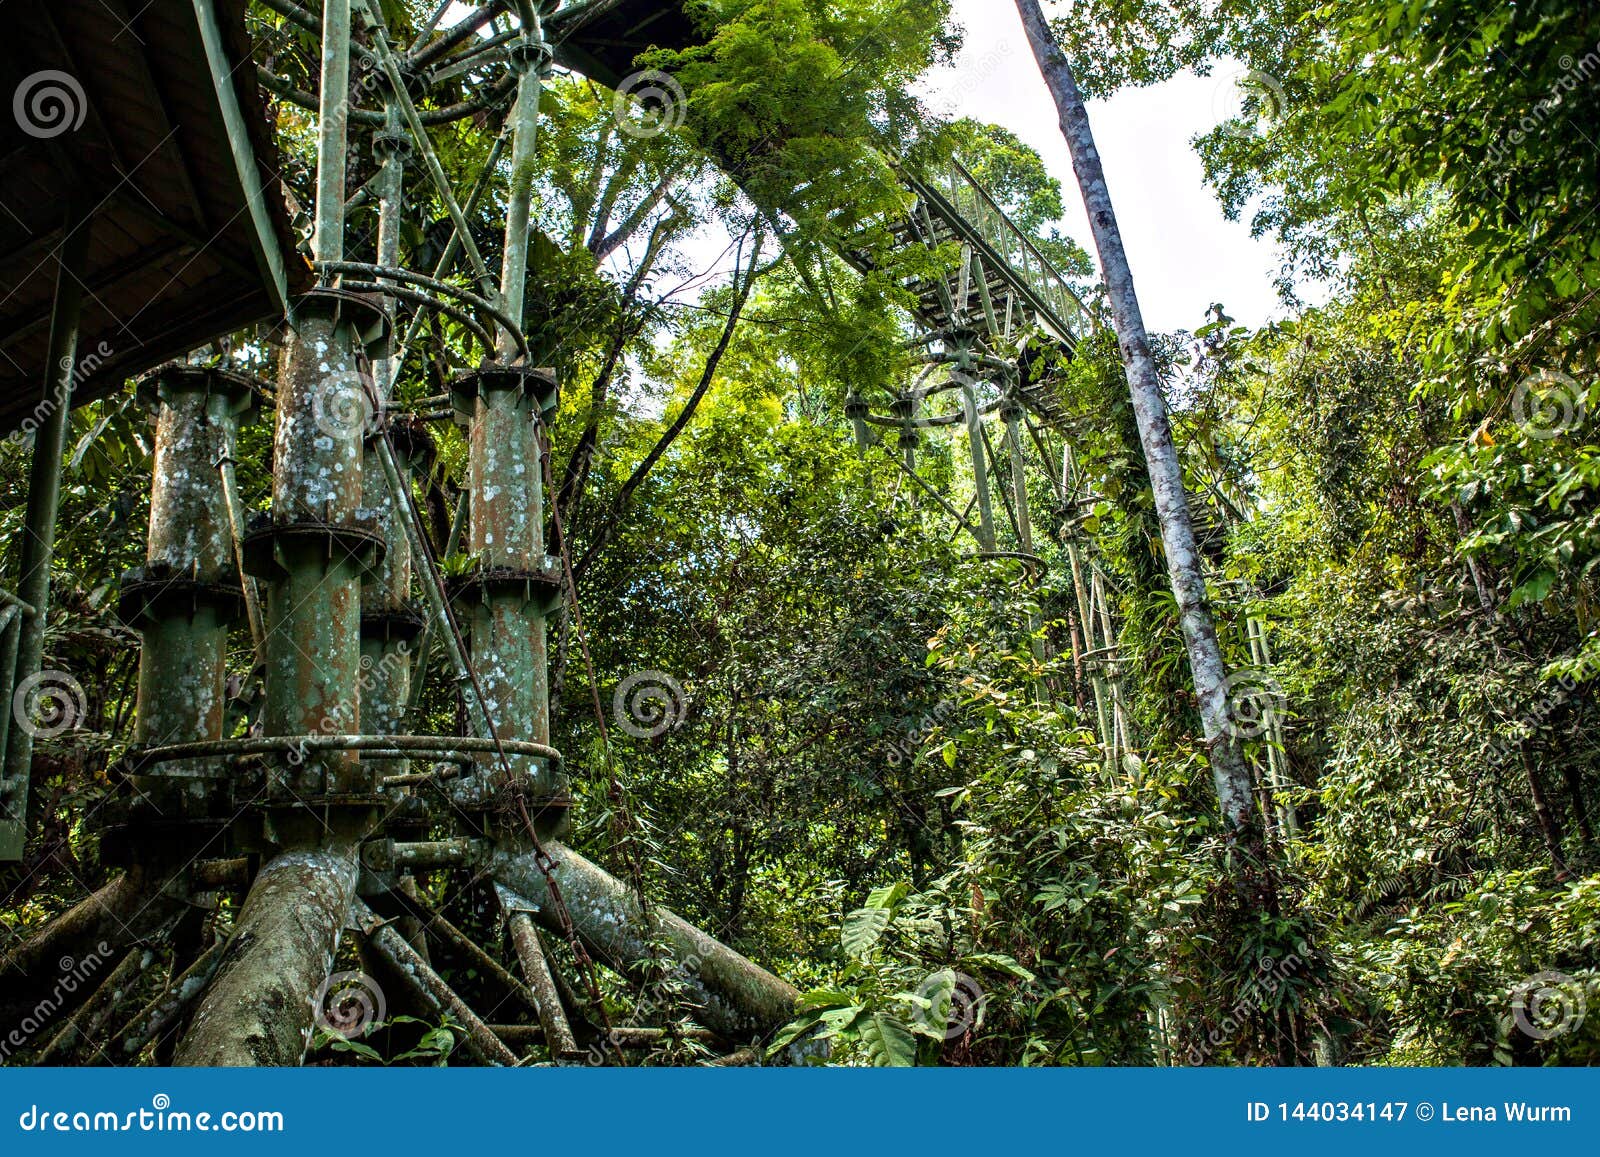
[
  {"x": 417, "y": 297},
  {"x": 394, "y": 273},
  {"x": 384, "y": 746},
  {"x": 285, "y": 88}
]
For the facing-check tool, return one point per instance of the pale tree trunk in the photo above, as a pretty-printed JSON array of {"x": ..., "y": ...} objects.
[{"x": 1155, "y": 431}]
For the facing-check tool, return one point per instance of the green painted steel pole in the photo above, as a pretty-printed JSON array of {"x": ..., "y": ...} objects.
[
  {"x": 430, "y": 160},
  {"x": 273, "y": 982},
  {"x": 1011, "y": 414},
  {"x": 313, "y": 554},
  {"x": 528, "y": 56},
  {"x": 333, "y": 120},
  {"x": 392, "y": 149},
  {"x": 1086, "y": 618},
  {"x": 10, "y": 634},
  {"x": 39, "y": 530},
  {"x": 316, "y": 548},
  {"x": 1108, "y": 643},
  {"x": 514, "y": 589},
  {"x": 856, "y": 410},
  {"x": 389, "y": 624},
  {"x": 433, "y": 624},
  {"x": 187, "y": 595},
  {"x": 980, "y": 467},
  {"x": 1277, "y": 772},
  {"x": 433, "y": 588},
  {"x": 236, "y": 521},
  {"x": 905, "y": 408},
  {"x": 731, "y": 994},
  {"x": 320, "y": 542}
]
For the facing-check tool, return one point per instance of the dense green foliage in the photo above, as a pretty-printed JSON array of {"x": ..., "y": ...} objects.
[{"x": 872, "y": 784}]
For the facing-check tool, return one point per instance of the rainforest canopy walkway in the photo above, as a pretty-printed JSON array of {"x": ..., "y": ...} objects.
[{"x": 159, "y": 226}]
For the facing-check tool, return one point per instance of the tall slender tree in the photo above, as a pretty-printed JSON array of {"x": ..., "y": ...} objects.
[{"x": 1211, "y": 686}]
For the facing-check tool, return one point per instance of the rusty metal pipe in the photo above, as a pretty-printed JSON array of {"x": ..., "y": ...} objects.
[{"x": 734, "y": 997}]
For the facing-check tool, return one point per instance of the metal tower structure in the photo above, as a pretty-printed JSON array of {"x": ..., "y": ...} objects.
[{"x": 318, "y": 823}]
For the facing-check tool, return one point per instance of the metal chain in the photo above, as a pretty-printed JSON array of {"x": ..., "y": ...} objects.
[{"x": 515, "y": 790}]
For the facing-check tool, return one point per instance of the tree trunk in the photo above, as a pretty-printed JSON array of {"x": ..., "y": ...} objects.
[
  {"x": 1228, "y": 768},
  {"x": 1549, "y": 825}
]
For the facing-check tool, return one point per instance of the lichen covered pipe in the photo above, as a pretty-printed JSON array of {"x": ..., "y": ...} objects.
[
  {"x": 505, "y": 606},
  {"x": 320, "y": 541},
  {"x": 185, "y": 597},
  {"x": 737, "y": 999},
  {"x": 389, "y": 624},
  {"x": 87, "y": 939},
  {"x": 261, "y": 1007}
]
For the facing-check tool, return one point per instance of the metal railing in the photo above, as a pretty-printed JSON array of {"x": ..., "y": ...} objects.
[{"x": 956, "y": 196}]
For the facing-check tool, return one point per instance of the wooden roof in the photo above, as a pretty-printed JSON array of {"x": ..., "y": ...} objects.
[
  {"x": 164, "y": 155},
  {"x": 602, "y": 37}
]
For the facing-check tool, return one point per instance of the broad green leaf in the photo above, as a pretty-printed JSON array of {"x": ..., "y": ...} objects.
[
  {"x": 888, "y": 896},
  {"x": 822, "y": 998},
  {"x": 887, "y": 1040},
  {"x": 999, "y": 963},
  {"x": 862, "y": 929}
]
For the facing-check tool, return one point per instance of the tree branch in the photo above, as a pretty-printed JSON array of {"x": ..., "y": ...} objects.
[{"x": 685, "y": 415}]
